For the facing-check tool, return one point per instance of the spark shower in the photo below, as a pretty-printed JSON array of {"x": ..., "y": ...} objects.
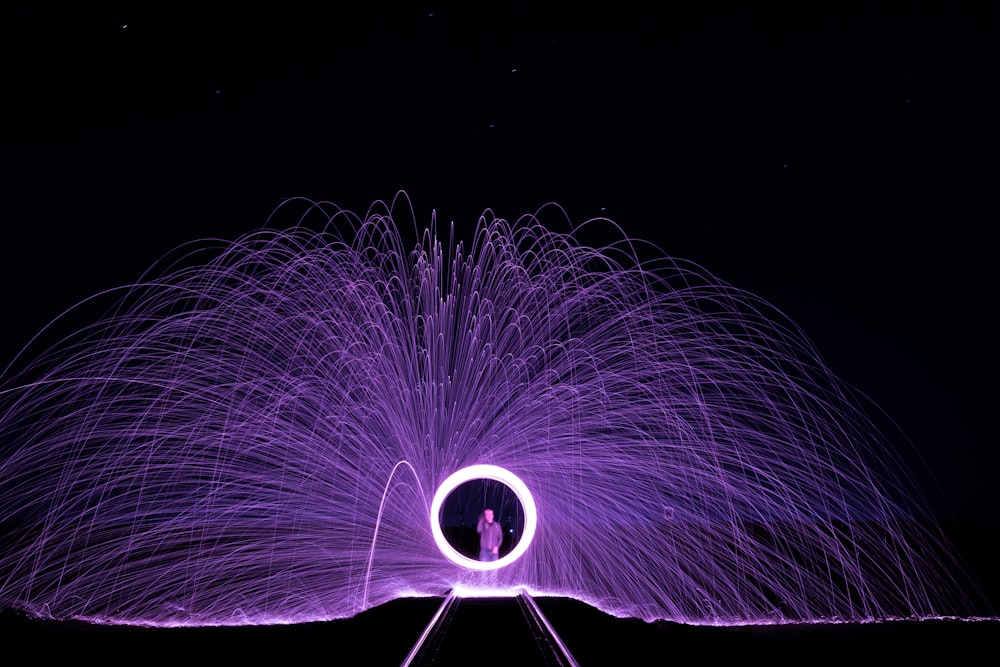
[{"x": 255, "y": 430}]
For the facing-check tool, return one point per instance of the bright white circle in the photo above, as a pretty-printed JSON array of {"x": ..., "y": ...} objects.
[{"x": 484, "y": 471}]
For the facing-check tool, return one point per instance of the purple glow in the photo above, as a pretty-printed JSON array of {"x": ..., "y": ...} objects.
[
  {"x": 255, "y": 433},
  {"x": 499, "y": 474}
]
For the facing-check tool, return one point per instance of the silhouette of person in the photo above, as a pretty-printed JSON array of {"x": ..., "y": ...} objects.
[{"x": 490, "y": 536}]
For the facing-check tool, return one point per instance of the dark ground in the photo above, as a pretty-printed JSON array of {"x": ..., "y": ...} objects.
[{"x": 385, "y": 635}]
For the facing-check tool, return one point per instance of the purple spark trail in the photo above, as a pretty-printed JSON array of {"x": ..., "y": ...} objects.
[{"x": 253, "y": 433}]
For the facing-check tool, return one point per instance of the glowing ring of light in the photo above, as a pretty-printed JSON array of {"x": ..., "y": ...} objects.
[{"x": 484, "y": 471}]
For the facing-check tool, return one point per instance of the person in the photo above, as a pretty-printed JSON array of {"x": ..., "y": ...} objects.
[{"x": 490, "y": 536}]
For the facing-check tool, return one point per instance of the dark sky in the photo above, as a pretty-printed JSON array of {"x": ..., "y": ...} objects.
[{"x": 838, "y": 161}]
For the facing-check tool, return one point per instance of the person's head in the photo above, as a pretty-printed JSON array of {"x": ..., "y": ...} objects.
[{"x": 488, "y": 515}]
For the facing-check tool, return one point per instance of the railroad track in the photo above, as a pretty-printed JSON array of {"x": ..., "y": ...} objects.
[{"x": 489, "y": 631}]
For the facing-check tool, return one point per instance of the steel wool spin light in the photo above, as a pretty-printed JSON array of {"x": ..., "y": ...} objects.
[{"x": 257, "y": 431}]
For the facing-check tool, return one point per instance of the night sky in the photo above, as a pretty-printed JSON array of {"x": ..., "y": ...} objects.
[{"x": 839, "y": 162}]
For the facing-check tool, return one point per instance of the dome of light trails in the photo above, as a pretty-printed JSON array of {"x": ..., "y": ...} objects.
[{"x": 254, "y": 432}]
